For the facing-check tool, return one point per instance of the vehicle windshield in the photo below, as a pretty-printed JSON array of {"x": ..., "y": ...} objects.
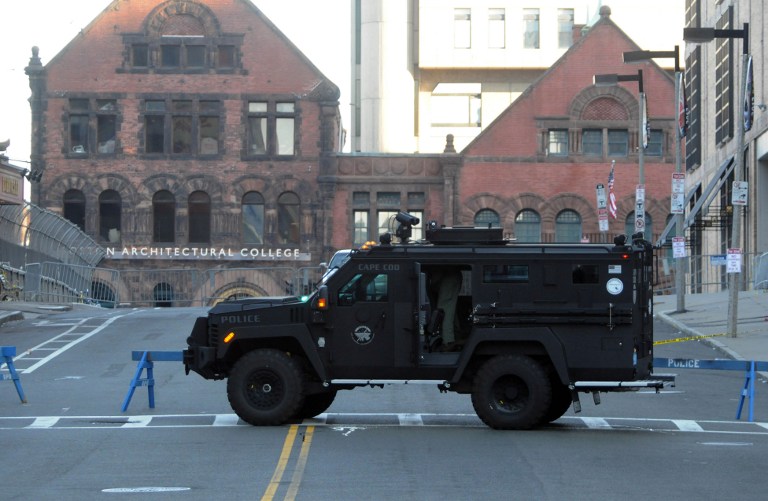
[{"x": 337, "y": 261}]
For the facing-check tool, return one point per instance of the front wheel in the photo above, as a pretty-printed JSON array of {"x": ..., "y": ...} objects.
[
  {"x": 511, "y": 392},
  {"x": 266, "y": 387}
]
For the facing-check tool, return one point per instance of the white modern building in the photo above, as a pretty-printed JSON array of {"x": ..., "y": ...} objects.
[
  {"x": 716, "y": 79},
  {"x": 423, "y": 69}
]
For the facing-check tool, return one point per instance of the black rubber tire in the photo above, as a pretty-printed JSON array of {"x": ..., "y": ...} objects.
[
  {"x": 266, "y": 387},
  {"x": 511, "y": 392},
  {"x": 316, "y": 404},
  {"x": 561, "y": 401}
]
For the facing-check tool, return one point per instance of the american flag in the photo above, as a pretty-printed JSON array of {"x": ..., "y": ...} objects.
[{"x": 611, "y": 195}]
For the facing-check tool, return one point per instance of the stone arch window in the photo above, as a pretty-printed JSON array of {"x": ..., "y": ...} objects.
[
  {"x": 568, "y": 226},
  {"x": 288, "y": 211},
  {"x": 74, "y": 207},
  {"x": 487, "y": 218},
  {"x": 162, "y": 294},
  {"x": 163, "y": 217},
  {"x": 629, "y": 226},
  {"x": 253, "y": 218},
  {"x": 199, "y": 206},
  {"x": 110, "y": 208},
  {"x": 528, "y": 226},
  {"x": 182, "y": 36}
]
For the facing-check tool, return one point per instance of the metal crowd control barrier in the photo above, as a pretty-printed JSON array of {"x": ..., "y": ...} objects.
[
  {"x": 6, "y": 357},
  {"x": 748, "y": 366},
  {"x": 146, "y": 361}
]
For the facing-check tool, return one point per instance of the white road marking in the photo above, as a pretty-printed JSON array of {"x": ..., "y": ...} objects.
[
  {"x": 68, "y": 340},
  {"x": 226, "y": 420},
  {"x": 595, "y": 422},
  {"x": 687, "y": 425},
  {"x": 350, "y": 422},
  {"x": 410, "y": 419},
  {"x": 44, "y": 422},
  {"x": 137, "y": 422}
]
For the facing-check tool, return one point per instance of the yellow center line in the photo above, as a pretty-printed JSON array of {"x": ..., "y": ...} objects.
[
  {"x": 293, "y": 489},
  {"x": 281, "y": 464}
]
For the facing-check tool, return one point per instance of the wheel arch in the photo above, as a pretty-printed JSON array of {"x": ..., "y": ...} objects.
[
  {"x": 294, "y": 339},
  {"x": 538, "y": 343}
]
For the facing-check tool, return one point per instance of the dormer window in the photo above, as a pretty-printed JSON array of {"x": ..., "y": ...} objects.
[{"x": 182, "y": 37}]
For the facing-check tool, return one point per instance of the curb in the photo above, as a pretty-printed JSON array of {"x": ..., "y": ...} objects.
[
  {"x": 11, "y": 316},
  {"x": 712, "y": 343}
]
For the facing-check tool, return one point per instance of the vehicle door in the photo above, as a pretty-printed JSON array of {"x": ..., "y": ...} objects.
[{"x": 363, "y": 318}]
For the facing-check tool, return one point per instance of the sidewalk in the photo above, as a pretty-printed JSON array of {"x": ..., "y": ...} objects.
[
  {"x": 707, "y": 314},
  {"x": 19, "y": 310}
]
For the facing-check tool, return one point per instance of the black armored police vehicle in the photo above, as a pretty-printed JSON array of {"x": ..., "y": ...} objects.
[{"x": 522, "y": 328}]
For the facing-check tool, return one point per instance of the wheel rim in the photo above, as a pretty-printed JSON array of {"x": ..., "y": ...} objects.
[
  {"x": 509, "y": 394},
  {"x": 264, "y": 389}
]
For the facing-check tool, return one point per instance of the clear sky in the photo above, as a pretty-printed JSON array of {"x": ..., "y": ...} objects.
[{"x": 51, "y": 24}]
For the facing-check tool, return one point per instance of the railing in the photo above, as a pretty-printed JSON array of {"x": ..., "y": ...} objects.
[
  {"x": 67, "y": 283},
  {"x": 760, "y": 280},
  {"x": 707, "y": 273},
  {"x": 30, "y": 234}
]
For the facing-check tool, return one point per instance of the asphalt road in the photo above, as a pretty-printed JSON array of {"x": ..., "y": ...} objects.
[{"x": 71, "y": 441}]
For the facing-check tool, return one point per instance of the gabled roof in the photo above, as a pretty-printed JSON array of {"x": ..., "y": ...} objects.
[
  {"x": 116, "y": 19},
  {"x": 598, "y": 51}
]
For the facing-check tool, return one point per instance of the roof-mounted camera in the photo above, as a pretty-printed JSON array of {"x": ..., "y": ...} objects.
[{"x": 405, "y": 228}]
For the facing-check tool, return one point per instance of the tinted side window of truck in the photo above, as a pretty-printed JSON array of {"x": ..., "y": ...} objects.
[
  {"x": 505, "y": 273},
  {"x": 364, "y": 287},
  {"x": 585, "y": 274}
]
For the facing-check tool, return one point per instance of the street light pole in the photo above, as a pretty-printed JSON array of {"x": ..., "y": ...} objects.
[
  {"x": 641, "y": 135},
  {"x": 613, "y": 79},
  {"x": 647, "y": 55},
  {"x": 679, "y": 217},
  {"x": 734, "y": 279}
]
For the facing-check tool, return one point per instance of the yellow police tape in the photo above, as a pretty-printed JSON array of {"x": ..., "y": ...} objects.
[{"x": 689, "y": 338}]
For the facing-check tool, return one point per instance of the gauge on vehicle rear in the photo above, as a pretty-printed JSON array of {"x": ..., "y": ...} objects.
[{"x": 614, "y": 286}]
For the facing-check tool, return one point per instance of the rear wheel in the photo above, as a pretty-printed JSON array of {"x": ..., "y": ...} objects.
[
  {"x": 266, "y": 387},
  {"x": 316, "y": 404},
  {"x": 561, "y": 401},
  {"x": 511, "y": 392}
]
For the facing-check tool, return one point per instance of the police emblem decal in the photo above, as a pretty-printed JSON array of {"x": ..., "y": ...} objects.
[
  {"x": 614, "y": 286},
  {"x": 362, "y": 334}
]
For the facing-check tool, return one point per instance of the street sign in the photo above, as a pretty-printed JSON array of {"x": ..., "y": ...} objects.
[
  {"x": 640, "y": 208},
  {"x": 733, "y": 261},
  {"x": 678, "y": 193},
  {"x": 678, "y": 247},
  {"x": 740, "y": 190},
  {"x": 602, "y": 219},
  {"x": 601, "y": 199}
]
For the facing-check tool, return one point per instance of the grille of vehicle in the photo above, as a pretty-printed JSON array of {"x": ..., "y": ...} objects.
[{"x": 213, "y": 335}]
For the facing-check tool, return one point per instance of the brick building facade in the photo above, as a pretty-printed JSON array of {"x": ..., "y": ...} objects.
[
  {"x": 187, "y": 132},
  {"x": 535, "y": 169},
  {"x": 192, "y": 134}
]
